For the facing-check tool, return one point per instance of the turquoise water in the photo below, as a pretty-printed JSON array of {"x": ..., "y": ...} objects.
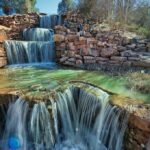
[{"x": 42, "y": 80}]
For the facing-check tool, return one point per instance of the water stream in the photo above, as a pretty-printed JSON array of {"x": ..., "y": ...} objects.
[
  {"x": 50, "y": 21},
  {"x": 38, "y": 47},
  {"x": 75, "y": 120}
]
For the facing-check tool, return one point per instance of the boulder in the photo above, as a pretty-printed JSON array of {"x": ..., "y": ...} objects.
[
  {"x": 3, "y": 61},
  {"x": 108, "y": 52},
  {"x": 3, "y": 35},
  {"x": 2, "y": 52},
  {"x": 118, "y": 58},
  {"x": 59, "y": 38},
  {"x": 63, "y": 59},
  {"x": 129, "y": 53},
  {"x": 60, "y": 28},
  {"x": 79, "y": 62},
  {"x": 101, "y": 59},
  {"x": 72, "y": 38},
  {"x": 89, "y": 60}
]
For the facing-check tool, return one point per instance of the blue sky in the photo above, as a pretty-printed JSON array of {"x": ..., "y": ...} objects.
[{"x": 48, "y": 6}]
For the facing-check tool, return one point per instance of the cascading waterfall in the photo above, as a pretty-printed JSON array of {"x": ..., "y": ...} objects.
[
  {"x": 40, "y": 127},
  {"x": 15, "y": 130},
  {"x": 38, "y": 47},
  {"x": 19, "y": 52},
  {"x": 38, "y": 34},
  {"x": 50, "y": 21},
  {"x": 89, "y": 122},
  {"x": 77, "y": 121}
]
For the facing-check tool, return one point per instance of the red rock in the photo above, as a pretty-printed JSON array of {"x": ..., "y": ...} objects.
[
  {"x": 3, "y": 35},
  {"x": 59, "y": 38},
  {"x": 108, "y": 52},
  {"x": 91, "y": 41},
  {"x": 3, "y": 61},
  {"x": 137, "y": 122},
  {"x": 72, "y": 38},
  {"x": 2, "y": 52}
]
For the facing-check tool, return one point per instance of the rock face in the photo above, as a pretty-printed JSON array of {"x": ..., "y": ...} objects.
[
  {"x": 11, "y": 28},
  {"x": 3, "y": 37},
  {"x": 107, "y": 47},
  {"x": 17, "y": 23},
  {"x": 114, "y": 47},
  {"x": 138, "y": 130}
]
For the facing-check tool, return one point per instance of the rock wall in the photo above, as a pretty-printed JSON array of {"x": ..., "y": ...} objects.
[
  {"x": 17, "y": 23},
  {"x": 3, "y": 36},
  {"x": 137, "y": 135},
  {"x": 106, "y": 48},
  {"x": 11, "y": 28}
]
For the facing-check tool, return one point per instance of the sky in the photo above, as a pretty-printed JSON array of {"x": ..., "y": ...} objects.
[{"x": 48, "y": 6}]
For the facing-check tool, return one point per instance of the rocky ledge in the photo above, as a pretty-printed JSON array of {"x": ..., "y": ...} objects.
[{"x": 106, "y": 48}]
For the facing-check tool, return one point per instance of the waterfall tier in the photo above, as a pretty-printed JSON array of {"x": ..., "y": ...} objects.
[
  {"x": 19, "y": 52},
  {"x": 77, "y": 121},
  {"x": 50, "y": 21},
  {"x": 16, "y": 126},
  {"x": 38, "y": 34}
]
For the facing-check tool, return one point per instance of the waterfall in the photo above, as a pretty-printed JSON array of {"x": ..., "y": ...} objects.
[
  {"x": 89, "y": 122},
  {"x": 37, "y": 47},
  {"x": 59, "y": 19},
  {"x": 75, "y": 120},
  {"x": 50, "y": 21},
  {"x": 16, "y": 125},
  {"x": 38, "y": 34},
  {"x": 40, "y": 127},
  {"x": 19, "y": 52}
]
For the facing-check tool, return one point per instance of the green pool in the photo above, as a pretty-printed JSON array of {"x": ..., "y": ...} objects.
[{"x": 39, "y": 82}]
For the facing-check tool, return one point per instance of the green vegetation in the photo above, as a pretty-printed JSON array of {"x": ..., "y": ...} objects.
[
  {"x": 65, "y": 5},
  {"x": 41, "y": 82},
  {"x": 139, "y": 82},
  {"x": 129, "y": 14},
  {"x": 20, "y": 6}
]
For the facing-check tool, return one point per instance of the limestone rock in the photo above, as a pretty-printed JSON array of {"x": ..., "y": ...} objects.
[
  {"x": 108, "y": 52},
  {"x": 59, "y": 38},
  {"x": 118, "y": 58},
  {"x": 3, "y": 61}
]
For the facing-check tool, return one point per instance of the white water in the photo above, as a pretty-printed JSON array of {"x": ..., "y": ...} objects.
[
  {"x": 38, "y": 34},
  {"x": 50, "y": 21},
  {"x": 89, "y": 122},
  {"x": 19, "y": 52},
  {"x": 16, "y": 124},
  {"x": 77, "y": 121},
  {"x": 38, "y": 47},
  {"x": 40, "y": 127}
]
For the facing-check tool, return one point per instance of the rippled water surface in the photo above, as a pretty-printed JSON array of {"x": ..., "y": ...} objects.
[{"x": 37, "y": 80}]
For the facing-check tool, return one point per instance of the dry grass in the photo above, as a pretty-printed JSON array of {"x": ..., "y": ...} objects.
[{"x": 139, "y": 82}]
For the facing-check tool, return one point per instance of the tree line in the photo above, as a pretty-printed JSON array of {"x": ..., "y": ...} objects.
[
  {"x": 131, "y": 14},
  {"x": 19, "y": 6}
]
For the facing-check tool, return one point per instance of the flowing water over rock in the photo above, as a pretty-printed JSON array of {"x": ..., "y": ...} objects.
[
  {"x": 38, "y": 34},
  {"x": 16, "y": 126},
  {"x": 50, "y": 21},
  {"x": 75, "y": 120},
  {"x": 19, "y": 52},
  {"x": 38, "y": 47}
]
